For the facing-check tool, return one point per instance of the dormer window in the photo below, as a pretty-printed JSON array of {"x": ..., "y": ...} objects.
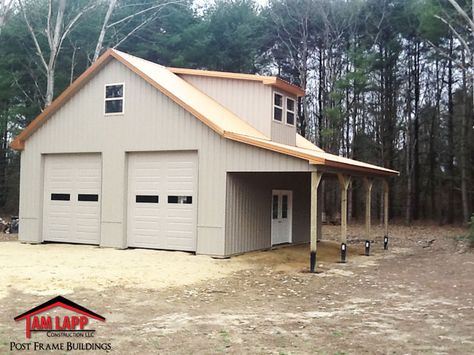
[
  {"x": 290, "y": 111},
  {"x": 278, "y": 107},
  {"x": 114, "y": 99}
]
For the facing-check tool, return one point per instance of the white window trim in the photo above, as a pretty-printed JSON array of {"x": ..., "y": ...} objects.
[
  {"x": 283, "y": 116},
  {"x": 114, "y": 98},
  {"x": 287, "y": 110}
]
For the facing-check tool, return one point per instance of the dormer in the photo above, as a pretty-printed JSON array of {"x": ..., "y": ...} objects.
[{"x": 268, "y": 103}]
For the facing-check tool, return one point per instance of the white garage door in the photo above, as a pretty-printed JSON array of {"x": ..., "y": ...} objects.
[
  {"x": 71, "y": 210},
  {"x": 162, "y": 200}
]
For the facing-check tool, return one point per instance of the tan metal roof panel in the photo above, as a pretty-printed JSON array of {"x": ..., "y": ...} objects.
[
  {"x": 302, "y": 142},
  {"x": 195, "y": 101}
]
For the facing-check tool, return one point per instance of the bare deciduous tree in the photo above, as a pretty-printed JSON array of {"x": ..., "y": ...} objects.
[
  {"x": 58, "y": 27},
  {"x": 151, "y": 11},
  {"x": 6, "y": 7},
  {"x": 292, "y": 23},
  {"x": 466, "y": 43}
]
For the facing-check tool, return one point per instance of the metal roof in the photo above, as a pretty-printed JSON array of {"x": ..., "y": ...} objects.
[{"x": 210, "y": 112}]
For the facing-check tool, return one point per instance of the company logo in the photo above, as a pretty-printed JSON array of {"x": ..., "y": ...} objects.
[
  {"x": 60, "y": 318},
  {"x": 57, "y": 326}
]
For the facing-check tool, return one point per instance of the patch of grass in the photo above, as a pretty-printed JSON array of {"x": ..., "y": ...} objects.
[
  {"x": 339, "y": 353},
  {"x": 337, "y": 333},
  {"x": 225, "y": 337},
  {"x": 155, "y": 342},
  {"x": 224, "y": 334}
]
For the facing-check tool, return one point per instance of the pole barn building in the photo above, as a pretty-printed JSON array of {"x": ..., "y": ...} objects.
[{"x": 134, "y": 154}]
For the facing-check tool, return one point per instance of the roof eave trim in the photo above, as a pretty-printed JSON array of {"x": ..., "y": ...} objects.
[
  {"x": 360, "y": 169},
  {"x": 285, "y": 86}
]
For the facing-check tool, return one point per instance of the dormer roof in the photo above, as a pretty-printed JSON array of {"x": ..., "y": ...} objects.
[{"x": 265, "y": 80}]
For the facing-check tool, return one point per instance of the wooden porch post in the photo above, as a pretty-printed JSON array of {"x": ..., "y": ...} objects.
[
  {"x": 320, "y": 213},
  {"x": 368, "y": 183},
  {"x": 385, "y": 206},
  {"x": 315, "y": 180},
  {"x": 344, "y": 182}
]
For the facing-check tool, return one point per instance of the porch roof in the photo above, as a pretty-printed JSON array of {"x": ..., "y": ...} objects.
[{"x": 315, "y": 155}]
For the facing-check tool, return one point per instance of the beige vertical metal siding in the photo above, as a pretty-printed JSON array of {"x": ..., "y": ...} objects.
[
  {"x": 248, "y": 209},
  {"x": 244, "y": 98},
  {"x": 151, "y": 122},
  {"x": 248, "y": 213},
  {"x": 280, "y": 131},
  {"x": 283, "y": 133}
]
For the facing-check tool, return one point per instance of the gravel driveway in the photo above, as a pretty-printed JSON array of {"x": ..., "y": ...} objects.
[{"x": 416, "y": 298}]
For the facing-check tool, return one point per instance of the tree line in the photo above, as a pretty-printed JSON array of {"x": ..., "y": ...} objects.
[{"x": 387, "y": 81}]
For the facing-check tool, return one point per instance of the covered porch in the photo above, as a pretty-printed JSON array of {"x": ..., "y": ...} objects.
[
  {"x": 267, "y": 209},
  {"x": 344, "y": 180}
]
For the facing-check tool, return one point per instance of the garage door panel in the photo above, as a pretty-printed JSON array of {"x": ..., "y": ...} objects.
[
  {"x": 148, "y": 227},
  {"x": 163, "y": 174},
  {"x": 86, "y": 219},
  {"x": 89, "y": 172},
  {"x": 61, "y": 184},
  {"x": 178, "y": 227},
  {"x": 86, "y": 228},
  {"x": 147, "y": 212},
  {"x": 180, "y": 213},
  {"x": 178, "y": 243},
  {"x": 74, "y": 219},
  {"x": 88, "y": 186},
  {"x": 180, "y": 188}
]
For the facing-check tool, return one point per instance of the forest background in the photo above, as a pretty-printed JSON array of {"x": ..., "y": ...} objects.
[{"x": 387, "y": 81}]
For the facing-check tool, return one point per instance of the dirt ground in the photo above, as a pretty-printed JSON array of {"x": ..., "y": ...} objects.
[{"x": 417, "y": 297}]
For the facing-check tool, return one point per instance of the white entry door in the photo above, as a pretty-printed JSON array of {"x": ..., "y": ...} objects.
[
  {"x": 162, "y": 200},
  {"x": 282, "y": 206},
  {"x": 71, "y": 202}
]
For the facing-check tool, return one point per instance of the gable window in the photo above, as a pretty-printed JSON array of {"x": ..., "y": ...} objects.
[
  {"x": 114, "y": 96},
  {"x": 278, "y": 107},
  {"x": 290, "y": 111}
]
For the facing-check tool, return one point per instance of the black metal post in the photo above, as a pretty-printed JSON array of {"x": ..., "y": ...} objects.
[
  {"x": 343, "y": 252},
  {"x": 312, "y": 261},
  {"x": 385, "y": 242},
  {"x": 367, "y": 247}
]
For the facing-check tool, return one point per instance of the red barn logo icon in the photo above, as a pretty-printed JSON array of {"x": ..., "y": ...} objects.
[{"x": 35, "y": 322}]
